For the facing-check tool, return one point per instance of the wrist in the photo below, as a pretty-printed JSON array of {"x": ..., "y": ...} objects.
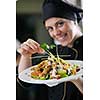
[{"x": 26, "y": 56}]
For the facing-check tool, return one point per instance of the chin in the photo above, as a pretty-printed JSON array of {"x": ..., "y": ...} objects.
[{"x": 63, "y": 44}]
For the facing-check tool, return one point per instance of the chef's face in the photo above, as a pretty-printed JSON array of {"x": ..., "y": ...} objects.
[{"x": 61, "y": 30}]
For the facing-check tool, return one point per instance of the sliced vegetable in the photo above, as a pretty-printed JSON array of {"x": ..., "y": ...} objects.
[
  {"x": 42, "y": 78},
  {"x": 62, "y": 73}
]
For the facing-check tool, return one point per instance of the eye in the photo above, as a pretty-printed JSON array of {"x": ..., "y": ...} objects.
[
  {"x": 49, "y": 29},
  {"x": 61, "y": 23}
]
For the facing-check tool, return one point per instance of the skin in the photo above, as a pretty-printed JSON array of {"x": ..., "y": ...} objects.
[{"x": 60, "y": 29}]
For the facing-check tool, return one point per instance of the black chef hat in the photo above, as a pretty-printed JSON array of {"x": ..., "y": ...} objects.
[{"x": 58, "y": 8}]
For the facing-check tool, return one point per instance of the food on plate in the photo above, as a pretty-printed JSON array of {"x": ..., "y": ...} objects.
[{"x": 53, "y": 68}]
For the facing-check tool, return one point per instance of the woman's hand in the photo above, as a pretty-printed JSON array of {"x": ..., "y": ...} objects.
[
  {"x": 30, "y": 47},
  {"x": 79, "y": 83}
]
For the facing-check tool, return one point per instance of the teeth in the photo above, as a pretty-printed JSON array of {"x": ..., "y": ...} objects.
[{"x": 61, "y": 38}]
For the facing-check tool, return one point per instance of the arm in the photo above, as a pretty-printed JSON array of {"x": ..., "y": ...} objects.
[
  {"x": 26, "y": 50},
  {"x": 24, "y": 63}
]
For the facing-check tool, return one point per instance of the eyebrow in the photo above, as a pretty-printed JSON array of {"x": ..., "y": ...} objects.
[{"x": 59, "y": 21}]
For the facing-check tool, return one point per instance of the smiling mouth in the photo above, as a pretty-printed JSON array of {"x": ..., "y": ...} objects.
[{"x": 62, "y": 38}]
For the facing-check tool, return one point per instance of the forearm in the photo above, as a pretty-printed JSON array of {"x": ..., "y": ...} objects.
[
  {"x": 24, "y": 63},
  {"x": 79, "y": 84}
]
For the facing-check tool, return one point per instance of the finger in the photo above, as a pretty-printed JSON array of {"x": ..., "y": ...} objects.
[
  {"x": 28, "y": 51},
  {"x": 41, "y": 50},
  {"x": 32, "y": 47},
  {"x": 26, "y": 47},
  {"x": 33, "y": 43}
]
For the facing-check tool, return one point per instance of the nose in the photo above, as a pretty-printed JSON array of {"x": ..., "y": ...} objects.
[{"x": 56, "y": 32}]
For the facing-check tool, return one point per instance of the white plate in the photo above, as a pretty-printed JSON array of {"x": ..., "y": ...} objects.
[{"x": 25, "y": 76}]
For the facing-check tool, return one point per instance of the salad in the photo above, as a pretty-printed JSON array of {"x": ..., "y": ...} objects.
[{"x": 53, "y": 67}]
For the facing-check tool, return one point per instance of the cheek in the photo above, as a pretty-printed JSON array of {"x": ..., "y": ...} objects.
[
  {"x": 72, "y": 33},
  {"x": 67, "y": 29},
  {"x": 64, "y": 29},
  {"x": 70, "y": 36}
]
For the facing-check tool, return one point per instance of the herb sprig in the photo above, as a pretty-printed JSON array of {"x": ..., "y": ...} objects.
[{"x": 47, "y": 48}]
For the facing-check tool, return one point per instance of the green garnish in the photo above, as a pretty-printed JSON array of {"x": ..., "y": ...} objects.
[
  {"x": 62, "y": 73},
  {"x": 45, "y": 46},
  {"x": 52, "y": 46}
]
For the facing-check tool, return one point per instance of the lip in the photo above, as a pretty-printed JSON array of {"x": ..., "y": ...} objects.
[{"x": 62, "y": 37}]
